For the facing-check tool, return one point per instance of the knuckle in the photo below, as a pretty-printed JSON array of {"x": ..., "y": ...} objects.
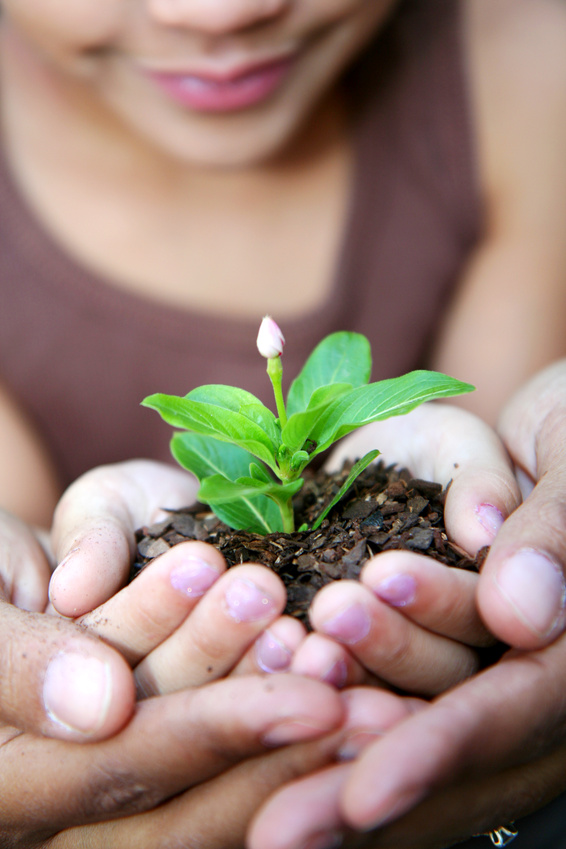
[
  {"x": 206, "y": 642},
  {"x": 114, "y": 790}
]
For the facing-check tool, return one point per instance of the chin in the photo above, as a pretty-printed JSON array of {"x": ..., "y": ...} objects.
[{"x": 232, "y": 143}]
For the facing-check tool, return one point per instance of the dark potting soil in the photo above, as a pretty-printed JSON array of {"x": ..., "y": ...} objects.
[{"x": 386, "y": 508}]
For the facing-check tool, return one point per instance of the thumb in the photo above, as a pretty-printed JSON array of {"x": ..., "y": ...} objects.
[
  {"x": 58, "y": 681},
  {"x": 522, "y": 590},
  {"x": 55, "y": 679}
]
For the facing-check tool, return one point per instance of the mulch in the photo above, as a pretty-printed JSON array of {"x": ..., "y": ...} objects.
[{"x": 386, "y": 508}]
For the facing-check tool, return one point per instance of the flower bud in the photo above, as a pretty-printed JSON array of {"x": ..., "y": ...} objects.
[{"x": 270, "y": 340}]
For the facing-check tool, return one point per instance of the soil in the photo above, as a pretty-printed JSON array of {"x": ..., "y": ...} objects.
[{"x": 386, "y": 508}]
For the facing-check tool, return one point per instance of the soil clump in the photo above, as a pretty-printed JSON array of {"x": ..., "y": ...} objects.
[{"x": 385, "y": 508}]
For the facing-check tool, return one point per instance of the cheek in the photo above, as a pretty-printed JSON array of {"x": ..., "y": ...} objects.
[{"x": 68, "y": 26}]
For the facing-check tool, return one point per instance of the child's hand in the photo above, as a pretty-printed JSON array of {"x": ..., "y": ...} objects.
[
  {"x": 185, "y": 621},
  {"x": 411, "y": 621},
  {"x": 425, "y": 646}
]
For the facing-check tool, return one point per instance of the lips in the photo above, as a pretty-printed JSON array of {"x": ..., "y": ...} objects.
[{"x": 240, "y": 89}]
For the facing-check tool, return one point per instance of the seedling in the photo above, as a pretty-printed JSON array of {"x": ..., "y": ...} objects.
[{"x": 249, "y": 461}]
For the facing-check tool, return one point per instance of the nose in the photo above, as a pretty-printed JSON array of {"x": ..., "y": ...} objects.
[{"x": 216, "y": 16}]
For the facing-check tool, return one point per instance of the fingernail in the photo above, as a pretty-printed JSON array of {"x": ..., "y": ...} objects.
[
  {"x": 355, "y": 743},
  {"x": 291, "y": 731},
  {"x": 246, "y": 602},
  {"x": 323, "y": 840},
  {"x": 68, "y": 557},
  {"x": 350, "y": 625},
  {"x": 398, "y": 590},
  {"x": 77, "y": 692},
  {"x": 337, "y": 674},
  {"x": 271, "y": 654},
  {"x": 490, "y": 518},
  {"x": 193, "y": 576},
  {"x": 535, "y": 587}
]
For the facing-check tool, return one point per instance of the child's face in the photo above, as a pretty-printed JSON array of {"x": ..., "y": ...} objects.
[{"x": 213, "y": 81}]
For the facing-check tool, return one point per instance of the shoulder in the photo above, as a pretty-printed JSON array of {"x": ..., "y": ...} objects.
[
  {"x": 517, "y": 62},
  {"x": 519, "y": 40}
]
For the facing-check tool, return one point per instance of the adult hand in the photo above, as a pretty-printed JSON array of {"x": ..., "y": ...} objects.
[
  {"x": 153, "y": 783},
  {"x": 55, "y": 679},
  {"x": 522, "y": 591},
  {"x": 492, "y": 750},
  {"x": 480, "y": 757}
]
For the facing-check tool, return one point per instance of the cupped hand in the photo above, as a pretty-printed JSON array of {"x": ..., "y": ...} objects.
[
  {"x": 410, "y": 621},
  {"x": 522, "y": 590},
  {"x": 184, "y": 621},
  {"x": 55, "y": 679},
  {"x": 493, "y": 749},
  {"x": 481, "y": 756},
  {"x": 132, "y": 789}
]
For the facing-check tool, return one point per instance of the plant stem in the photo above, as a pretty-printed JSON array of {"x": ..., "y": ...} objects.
[
  {"x": 275, "y": 372},
  {"x": 288, "y": 516}
]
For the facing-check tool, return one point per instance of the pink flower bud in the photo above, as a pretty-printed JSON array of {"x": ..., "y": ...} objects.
[{"x": 270, "y": 340}]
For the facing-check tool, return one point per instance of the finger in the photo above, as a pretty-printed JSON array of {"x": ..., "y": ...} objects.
[
  {"x": 469, "y": 808},
  {"x": 274, "y": 649},
  {"x": 522, "y": 592},
  {"x": 438, "y": 598},
  {"x": 441, "y": 443},
  {"x": 214, "y": 815},
  {"x": 324, "y": 659},
  {"x": 220, "y": 629},
  {"x": 386, "y": 643},
  {"x": 57, "y": 680},
  {"x": 477, "y": 806},
  {"x": 317, "y": 822},
  {"x": 94, "y": 524},
  {"x": 146, "y": 612},
  {"x": 497, "y": 720},
  {"x": 172, "y": 743},
  {"x": 24, "y": 565},
  {"x": 315, "y": 799}
]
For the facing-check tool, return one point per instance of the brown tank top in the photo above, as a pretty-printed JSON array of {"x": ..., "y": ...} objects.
[{"x": 80, "y": 354}]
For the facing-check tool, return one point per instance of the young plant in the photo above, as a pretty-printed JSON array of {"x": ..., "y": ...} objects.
[{"x": 249, "y": 462}]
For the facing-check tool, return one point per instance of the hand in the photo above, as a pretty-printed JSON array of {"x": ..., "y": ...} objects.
[
  {"x": 522, "y": 592},
  {"x": 410, "y": 621},
  {"x": 492, "y": 750},
  {"x": 485, "y": 754},
  {"x": 44, "y": 661},
  {"x": 154, "y": 782},
  {"x": 174, "y": 642},
  {"x": 172, "y": 744}
]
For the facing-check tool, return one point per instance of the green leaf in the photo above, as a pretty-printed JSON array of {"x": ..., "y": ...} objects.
[
  {"x": 227, "y": 397},
  {"x": 247, "y": 504},
  {"x": 355, "y": 471},
  {"x": 298, "y": 461},
  {"x": 340, "y": 358},
  {"x": 299, "y": 425},
  {"x": 220, "y": 490},
  {"x": 258, "y": 472},
  {"x": 263, "y": 417},
  {"x": 215, "y": 411},
  {"x": 255, "y": 515},
  {"x": 382, "y": 400},
  {"x": 205, "y": 456}
]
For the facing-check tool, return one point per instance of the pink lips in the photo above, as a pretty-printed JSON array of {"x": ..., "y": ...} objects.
[{"x": 241, "y": 90}]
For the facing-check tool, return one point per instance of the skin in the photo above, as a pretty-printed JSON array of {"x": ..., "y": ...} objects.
[
  {"x": 452, "y": 753},
  {"x": 69, "y": 129},
  {"x": 489, "y": 751},
  {"x": 168, "y": 653}
]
